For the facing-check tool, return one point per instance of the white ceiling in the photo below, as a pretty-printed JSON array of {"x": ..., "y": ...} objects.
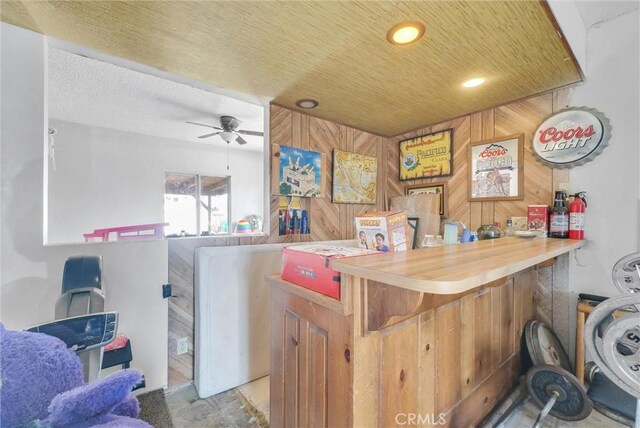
[
  {"x": 91, "y": 92},
  {"x": 594, "y": 12}
]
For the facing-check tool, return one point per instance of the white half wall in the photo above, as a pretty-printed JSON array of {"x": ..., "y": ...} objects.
[
  {"x": 611, "y": 180},
  {"x": 107, "y": 178},
  {"x": 31, "y": 272}
]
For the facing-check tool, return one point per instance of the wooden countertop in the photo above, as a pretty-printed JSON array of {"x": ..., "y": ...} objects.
[{"x": 454, "y": 269}]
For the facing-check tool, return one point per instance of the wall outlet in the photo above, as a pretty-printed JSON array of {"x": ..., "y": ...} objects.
[{"x": 182, "y": 346}]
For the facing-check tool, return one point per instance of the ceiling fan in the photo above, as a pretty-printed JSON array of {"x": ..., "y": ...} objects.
[{"x": 228, "y": 130}]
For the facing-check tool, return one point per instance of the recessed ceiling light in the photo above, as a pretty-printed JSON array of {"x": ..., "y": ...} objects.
[
  {"x": 472, "y": 83},
  {"x": 307, "y": 103},
  {"x": 405, "y": 32}
]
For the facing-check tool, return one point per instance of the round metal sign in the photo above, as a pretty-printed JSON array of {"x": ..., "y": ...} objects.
[{"x": 571, "y": 137}]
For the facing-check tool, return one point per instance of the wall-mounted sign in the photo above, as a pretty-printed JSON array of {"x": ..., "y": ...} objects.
[
  {"x": 571, "y": 137},
  {"x": 426, "y": 156},
  {"x": 496, "y": 169}
]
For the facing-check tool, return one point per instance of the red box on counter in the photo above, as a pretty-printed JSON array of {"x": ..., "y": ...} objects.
[
  {"x": 309, "y": 266},
  {"x": 538, "y": 217}
]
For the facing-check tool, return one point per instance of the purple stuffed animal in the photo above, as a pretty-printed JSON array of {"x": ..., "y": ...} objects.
[{"x": 41, "y": 384}]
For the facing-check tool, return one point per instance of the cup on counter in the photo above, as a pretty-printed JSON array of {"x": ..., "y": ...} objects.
[{"x": 450, "y": 233}]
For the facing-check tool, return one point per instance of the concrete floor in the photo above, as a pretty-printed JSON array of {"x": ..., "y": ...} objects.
[
  {"x": 230, "y": 409},
  {"x": 525, "y": 416}
]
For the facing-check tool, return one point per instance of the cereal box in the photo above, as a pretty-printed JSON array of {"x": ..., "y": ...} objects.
[
  {"x": 538, "y": 218},
  {"x": 382, "y": 231}
]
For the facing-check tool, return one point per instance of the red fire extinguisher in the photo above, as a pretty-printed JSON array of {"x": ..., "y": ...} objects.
[{"x": 576, "y": 216}]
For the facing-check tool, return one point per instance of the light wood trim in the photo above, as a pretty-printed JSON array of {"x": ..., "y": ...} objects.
[
  {"x": 454, "y": 269},
  {"x": 581, "y": 319}
]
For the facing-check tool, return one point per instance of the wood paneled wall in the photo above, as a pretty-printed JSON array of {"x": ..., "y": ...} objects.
[
  {"x": 518, "y": 117},
  {"x": 328, "y": 221}
]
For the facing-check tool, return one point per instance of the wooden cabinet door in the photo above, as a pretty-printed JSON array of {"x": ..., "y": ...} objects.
[{"x": 310, "y": 364}]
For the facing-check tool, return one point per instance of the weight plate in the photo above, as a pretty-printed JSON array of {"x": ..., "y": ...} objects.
[
  {"x": 594, "y": 344},
  {"x": 572, "y": 403},
  {"x": 626, "y": 274},
  {"x": 544, "y": 346},
  {"x": 625, "y": 364}
]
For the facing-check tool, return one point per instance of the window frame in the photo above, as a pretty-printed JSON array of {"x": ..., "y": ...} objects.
[{"x": 197, "y": 200}]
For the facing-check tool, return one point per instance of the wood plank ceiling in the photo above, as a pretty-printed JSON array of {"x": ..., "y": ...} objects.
[{"x": 335, "y": 52}]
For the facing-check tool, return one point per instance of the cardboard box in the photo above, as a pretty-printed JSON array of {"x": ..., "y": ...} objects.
[
  {"x": 538, "y": 217},
  {"x": 383, "y": 231},
  {"x": 309, "y": 266},
  {"x": 520, "y": 223}
]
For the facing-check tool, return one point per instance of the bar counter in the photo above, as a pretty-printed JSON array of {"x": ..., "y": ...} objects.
[
  {"x": 423, "y": 338},
  {"x": 454, "y": 269}
]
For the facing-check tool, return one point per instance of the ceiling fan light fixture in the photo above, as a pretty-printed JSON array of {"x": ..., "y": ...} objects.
[
  {"x": 228, "y": 136},
  {"x": 307, "y": 103},
  {"x": 472, "y": 83},
  {"x": 405, "y": 33}
]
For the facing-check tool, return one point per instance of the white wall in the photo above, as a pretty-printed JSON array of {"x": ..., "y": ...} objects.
[
  {"x": 107, "y": 178},
  {"x": 611, "y": 180},
  {"x": 31, "y": 273}
]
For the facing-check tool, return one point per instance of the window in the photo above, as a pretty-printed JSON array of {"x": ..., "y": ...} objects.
[{"x": 195, "y": 205}]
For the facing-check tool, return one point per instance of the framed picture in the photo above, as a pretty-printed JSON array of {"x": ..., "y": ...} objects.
[
  {"x": 426, "y": 156},
  {"x": 496, "y": 169},
  {"x": 439, "y": 188},
  {"x": 354, "y": 178},
  {"x": 413, "y": 230},
  {"x": 297, "y": 172}
]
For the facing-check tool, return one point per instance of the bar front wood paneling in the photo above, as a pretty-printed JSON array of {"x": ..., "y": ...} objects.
[{"x": 402, "y": 354}]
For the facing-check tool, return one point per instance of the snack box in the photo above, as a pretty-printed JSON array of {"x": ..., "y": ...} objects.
[
  {"x": 309, "y": 266},
  {"x": 538, "y": 217},
  {"x": 383, "y": 231}
]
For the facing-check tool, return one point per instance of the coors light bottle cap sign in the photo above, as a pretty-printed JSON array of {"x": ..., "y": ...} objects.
[{"x": 571, "y": 137}]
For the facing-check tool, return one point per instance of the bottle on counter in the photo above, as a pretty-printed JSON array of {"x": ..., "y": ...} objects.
[
  {"x": 428, "y": 242},
  {"x": 304, "y": 223},
  {"x": 509, "y": 230},
  {"x": 559, "y": 217}
]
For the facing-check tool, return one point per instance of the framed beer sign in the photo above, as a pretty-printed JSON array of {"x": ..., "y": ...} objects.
[
  {"x": 496, "y": 169},
  {"x": 426, "y": 156},
  {"x": 571, "y": 137}
]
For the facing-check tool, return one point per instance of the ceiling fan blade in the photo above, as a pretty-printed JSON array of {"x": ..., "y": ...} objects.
[
  {"x": 241, "y": 140},
  {"x": 234, "y": 123},
  {"x": 209, "y": 135},
  {"x": 202, "y": 124},
  {"x": 256, "y": 133}
]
